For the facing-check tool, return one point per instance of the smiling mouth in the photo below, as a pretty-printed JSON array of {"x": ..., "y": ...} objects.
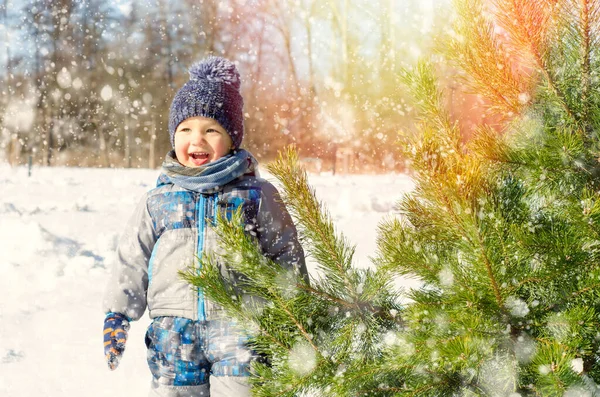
[
  {"x": 198, "y": 158},
  {"x": 199, "y": 155}
]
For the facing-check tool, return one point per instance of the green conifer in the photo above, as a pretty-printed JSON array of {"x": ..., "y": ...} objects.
[{"x": 502, "y": 230}]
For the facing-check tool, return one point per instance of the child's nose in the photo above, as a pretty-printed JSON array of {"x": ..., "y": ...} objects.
[{"x": 197, "y": 137}]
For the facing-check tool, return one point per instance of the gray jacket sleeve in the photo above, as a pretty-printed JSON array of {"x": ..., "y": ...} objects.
[
  {"x": 128, "y": 283},
  {"x": 277, "y": 234}
]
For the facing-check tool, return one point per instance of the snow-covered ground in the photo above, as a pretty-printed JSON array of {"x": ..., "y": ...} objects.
[{"x": 59, "y": 230}]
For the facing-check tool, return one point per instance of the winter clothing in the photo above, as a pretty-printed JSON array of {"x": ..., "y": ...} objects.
[
  {"x": 169, "y": 229},
  {"x": 213, "y": 91},
  {"x": 166, "y": 233},
  {"x": 183, "y": 353},
  {"x": 116, "y": 326},
  {"x": 209, "y": 177}
]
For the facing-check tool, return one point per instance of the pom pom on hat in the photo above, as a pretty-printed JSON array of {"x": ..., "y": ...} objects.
[
  {"x": 212, "y": 91},
  {"x": 216, "y": 69}
]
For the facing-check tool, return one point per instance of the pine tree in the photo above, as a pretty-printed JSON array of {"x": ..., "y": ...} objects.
[
  {"x": 316, "y": 337},
  {"x": 503, "y": 231}
]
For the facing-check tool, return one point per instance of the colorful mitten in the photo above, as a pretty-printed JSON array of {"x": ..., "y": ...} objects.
[{"x": 116, "y": 326}]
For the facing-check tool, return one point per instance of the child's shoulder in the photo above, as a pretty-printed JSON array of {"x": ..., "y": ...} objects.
[
  {"x": 164, "y": 188},
  {"x": 164, "y": 193},
  {"x": 252, "y": 182}
]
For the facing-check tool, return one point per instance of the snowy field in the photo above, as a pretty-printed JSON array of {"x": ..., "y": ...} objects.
[{"x": 59, "y": 230}]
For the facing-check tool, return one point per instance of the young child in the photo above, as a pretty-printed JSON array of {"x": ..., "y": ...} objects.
[{"x": 193, "y": 348}]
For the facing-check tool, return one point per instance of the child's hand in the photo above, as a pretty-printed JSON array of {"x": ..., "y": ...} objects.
[{"x": 115, "y": 336}]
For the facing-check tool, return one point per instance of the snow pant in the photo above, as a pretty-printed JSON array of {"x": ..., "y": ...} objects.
[{"x": 197, "y": 358}]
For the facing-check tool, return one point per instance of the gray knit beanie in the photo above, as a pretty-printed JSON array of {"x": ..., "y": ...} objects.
[{"x": 212, "y": 91}]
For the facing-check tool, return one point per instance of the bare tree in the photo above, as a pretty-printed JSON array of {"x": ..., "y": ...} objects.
[
  {"x": 49, "y": 25},
  {"x": 5, "y": 22}
]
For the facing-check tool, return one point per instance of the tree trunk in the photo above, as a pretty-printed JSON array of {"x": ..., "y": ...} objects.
[{"x": 152, "y": 154}]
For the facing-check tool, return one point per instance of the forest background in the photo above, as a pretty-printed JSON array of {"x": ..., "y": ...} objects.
[{"x": 89, "y": 83}]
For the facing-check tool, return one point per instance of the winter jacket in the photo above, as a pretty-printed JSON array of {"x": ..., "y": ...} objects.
[{"x": 168, "y": 232}]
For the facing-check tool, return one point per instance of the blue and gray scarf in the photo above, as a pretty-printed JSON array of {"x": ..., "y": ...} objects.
[{"x": 210, "y": 177}]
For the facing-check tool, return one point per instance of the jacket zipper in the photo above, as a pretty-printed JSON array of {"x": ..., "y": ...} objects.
[
  {"x": 203, "y": 208},
  {"x": 201, "y": 213}
]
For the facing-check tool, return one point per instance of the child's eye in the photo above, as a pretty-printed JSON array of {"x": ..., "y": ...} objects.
[{"x": 213, "y": 130}]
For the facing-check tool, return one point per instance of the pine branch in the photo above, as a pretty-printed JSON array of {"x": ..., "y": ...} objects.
[
  {"x": 491, "y": 274},
  {"x": 291, "y": 386},
  {"x": 581, "y": 22},
  {"x": 528, "y": 23},
  {"x": 594, "y": 22},
  {"x": 527, "y": 281},
  {"x": 230, "y": 232},
  {"x": 220, "y": 290},
  {"x": 436, "y": 183},
  {"x": 327, "y": 296},
  {"x": 585, "y": 54},
  {"x": 421, "y": 390},
  {"x": 296, "y": 322},
  {"x": 397, "y": 255},
  {"x": 491, "y": 147},
  {"x": 482, "y": 55},
  {"x": 480, "y": 246},
  {"x": 585, "y": 290},
  {"x": 314, "y": 222},
  {"x": 422, "y": 84},
  {"x": 258, "y": 276},
  {"x": 366, "y": 380}
]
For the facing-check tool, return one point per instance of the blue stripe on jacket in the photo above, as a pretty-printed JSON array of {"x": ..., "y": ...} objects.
[{"x": 200, "y": 211}]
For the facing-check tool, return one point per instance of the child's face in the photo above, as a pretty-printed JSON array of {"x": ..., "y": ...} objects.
[{"x": 201, "y": 140}]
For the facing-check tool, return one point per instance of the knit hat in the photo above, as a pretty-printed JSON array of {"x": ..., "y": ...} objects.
[{"x": 212, "y": 91}]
